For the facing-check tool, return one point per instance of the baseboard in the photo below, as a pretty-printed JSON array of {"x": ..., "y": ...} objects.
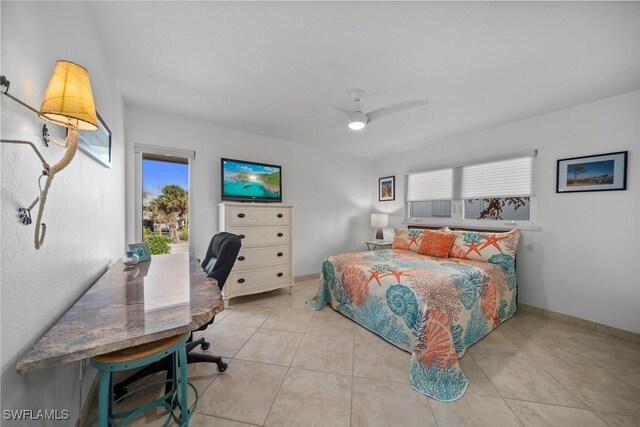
[
  {"x": 582, "y": 323},
  {"x": 306, "y": 277}
]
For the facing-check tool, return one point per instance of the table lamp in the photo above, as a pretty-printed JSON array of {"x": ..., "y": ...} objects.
[{"x": 379, "y": 220}]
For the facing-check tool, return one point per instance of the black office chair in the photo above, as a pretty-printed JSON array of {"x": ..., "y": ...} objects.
[{"x": 218, "y": 261}]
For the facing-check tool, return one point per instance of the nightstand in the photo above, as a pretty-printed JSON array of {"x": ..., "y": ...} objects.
[{"x": 372, "y": 245}]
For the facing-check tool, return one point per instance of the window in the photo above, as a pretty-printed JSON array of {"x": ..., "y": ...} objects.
[
  {"x": 498, "y": 190},
  {"x": 429, "y": 194},
  {"x": 498, "y": 208},
  {"x": 169, "y": 216},
  {"x": 494, "y": 191},
  {"x": 165, "y": 203},
  {"x": 430, "y": 209}
]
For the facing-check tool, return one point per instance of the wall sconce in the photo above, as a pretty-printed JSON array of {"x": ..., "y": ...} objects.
[{"x": 68, "y": 102}]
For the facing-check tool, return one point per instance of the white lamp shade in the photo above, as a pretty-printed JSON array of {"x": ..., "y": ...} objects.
[{"x": 379, "y": 220}]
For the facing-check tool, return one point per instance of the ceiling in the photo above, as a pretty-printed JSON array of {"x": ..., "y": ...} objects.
[{"x": 275, "y": 68}]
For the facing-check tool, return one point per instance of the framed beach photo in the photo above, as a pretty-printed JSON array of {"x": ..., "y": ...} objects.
[
  {"x": 97, "y": 144},
  {"x": 601, "y": 172},
  {"x": 140, "y": 249},
  {"x": 387, "y": 188}
]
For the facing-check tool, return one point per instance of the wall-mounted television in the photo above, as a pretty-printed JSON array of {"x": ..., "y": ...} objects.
[{"x": 250, "y": 181}]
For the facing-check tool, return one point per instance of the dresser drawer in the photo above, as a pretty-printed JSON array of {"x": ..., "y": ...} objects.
[
  {"x": 250, "y": 281},
  {"x": 239, "y": 216},
  {"x": 261, "y": 257},
  {"x": 262, "y": 236}
]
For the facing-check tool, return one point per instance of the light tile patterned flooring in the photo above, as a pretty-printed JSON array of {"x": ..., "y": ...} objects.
[{"x": 291, "y": 366}]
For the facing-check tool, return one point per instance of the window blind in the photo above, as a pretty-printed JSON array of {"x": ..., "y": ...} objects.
[
  {"x": 513, "y": 177},
  {"x": 434, "y": 185}
]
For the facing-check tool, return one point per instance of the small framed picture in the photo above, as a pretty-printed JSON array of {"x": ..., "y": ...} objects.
[
  {"x": 601, "y": 172},
  {"x": 140, "y": 249},
  {"x": 97, "y": 144},
  {"x": 387, "y": 188}
]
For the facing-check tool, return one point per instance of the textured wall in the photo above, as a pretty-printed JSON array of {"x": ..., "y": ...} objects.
[{"x": 85, "y": 209}]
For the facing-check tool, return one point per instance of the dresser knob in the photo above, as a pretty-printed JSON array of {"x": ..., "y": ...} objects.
[
  {"x": 280, "y": 254},
  {"x": 240, "y": 280},
  {"x": 241, "y": 236},
  {"x": 240, "y": 215},
  {"x": 240, "y": 258},
  {"x": 280, "y": 274},
  {"x": 280, "y": 234},
  {"x": 280, "y": 215}
]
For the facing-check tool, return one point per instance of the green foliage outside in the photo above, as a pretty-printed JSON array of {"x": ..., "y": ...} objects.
[
  {"x": 174, "y": 199},
  {"x": 495, "y": 206},
  {"x": 170, "y": 208},
  {"x": 184, "y": 234},
  {"x": 158, "y": 244}
]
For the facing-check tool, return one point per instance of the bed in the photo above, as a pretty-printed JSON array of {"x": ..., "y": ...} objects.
[{"x": 431, "y": 307}]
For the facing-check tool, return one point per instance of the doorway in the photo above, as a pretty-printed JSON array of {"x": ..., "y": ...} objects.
[{"x": 164, "y": 200}]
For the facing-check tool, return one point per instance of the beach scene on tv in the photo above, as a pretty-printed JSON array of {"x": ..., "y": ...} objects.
[
  {"x": 590, "y": 173},
  {"x": 251, "y": 180}
]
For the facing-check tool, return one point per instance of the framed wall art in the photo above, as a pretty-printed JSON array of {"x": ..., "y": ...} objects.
[
  {"x": 141, "y": 249},
  {"x": 387, "y": 188},
  {"x": 601, "y": 172},
  {"x": 97, "y": 144}
]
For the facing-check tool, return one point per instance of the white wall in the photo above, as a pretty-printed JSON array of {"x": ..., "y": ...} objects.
[
  {"x": 85, "y": 209},
  {"x": 329, "y": 191},
  {"x": 584, "y": 260}
]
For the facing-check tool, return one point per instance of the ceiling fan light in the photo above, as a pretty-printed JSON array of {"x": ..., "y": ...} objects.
[{"x": 357, "y": 120}]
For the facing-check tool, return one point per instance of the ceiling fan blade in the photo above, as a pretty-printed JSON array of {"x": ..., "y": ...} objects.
[
  {"x": 323, "y": 101},
  {"x": 381, "y": 112}
]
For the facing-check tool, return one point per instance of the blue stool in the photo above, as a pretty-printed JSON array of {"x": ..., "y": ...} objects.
[{"x": 137, "y": 357}]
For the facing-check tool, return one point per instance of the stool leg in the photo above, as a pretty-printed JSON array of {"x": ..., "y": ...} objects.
[
  {"x": 171, "y": 376},
  {"x": 104, "y": 399},
  {"x": 182, "y": 376},
  {"x": 111, "y": 398}
]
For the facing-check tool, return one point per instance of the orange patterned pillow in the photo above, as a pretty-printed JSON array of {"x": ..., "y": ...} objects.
[
  {"x": 407, "y": 239},
  {"x": 436, "y": 243},
  {"x": 480, "y": 246}
]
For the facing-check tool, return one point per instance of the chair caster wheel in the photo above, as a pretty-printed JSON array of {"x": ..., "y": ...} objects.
[
  {"x": 222, "y": 367},
  {"x": 205, "y": 346}
]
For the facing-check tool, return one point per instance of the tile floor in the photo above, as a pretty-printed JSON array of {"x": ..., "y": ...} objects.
[{"x": 291, "y": 366}]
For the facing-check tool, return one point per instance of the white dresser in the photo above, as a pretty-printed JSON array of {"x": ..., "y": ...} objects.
[{"x": 265, "y": 261}]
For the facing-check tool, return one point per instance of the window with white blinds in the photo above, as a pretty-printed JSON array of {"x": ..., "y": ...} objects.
[
  {"x": 429, "y": 194},
  {"x": 496, "y": 190},
  {"x": 505, "y": 178},
  {"x": 434, "y": 185}
]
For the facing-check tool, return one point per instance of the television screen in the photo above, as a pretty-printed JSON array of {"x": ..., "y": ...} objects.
[{"x": 250, "y": 181}]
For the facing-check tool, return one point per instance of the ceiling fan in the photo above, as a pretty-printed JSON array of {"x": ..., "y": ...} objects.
[{"x": 357, "y": 120}]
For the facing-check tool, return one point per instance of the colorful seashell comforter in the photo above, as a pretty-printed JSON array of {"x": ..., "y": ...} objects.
[{"x": 433, "y": 308}]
